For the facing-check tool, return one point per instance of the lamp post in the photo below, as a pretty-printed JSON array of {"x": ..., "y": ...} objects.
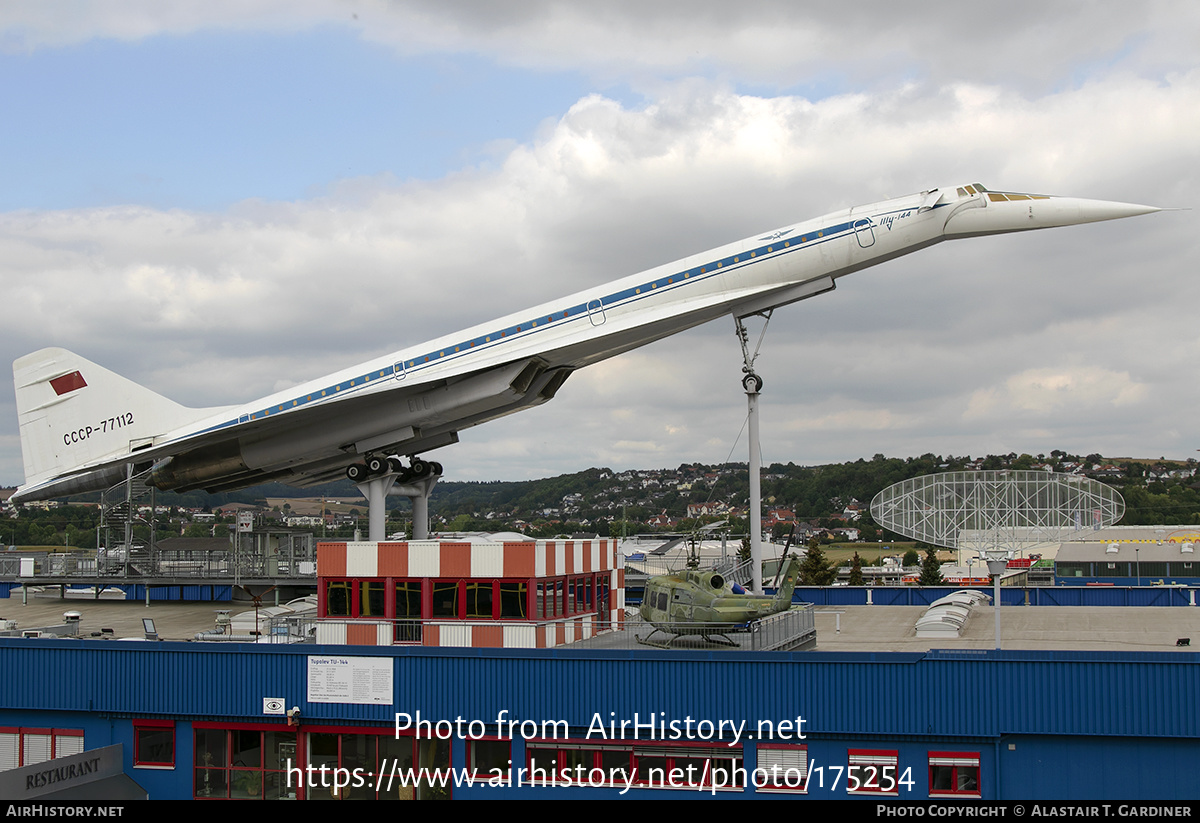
[{"x": 997, "y": 562}]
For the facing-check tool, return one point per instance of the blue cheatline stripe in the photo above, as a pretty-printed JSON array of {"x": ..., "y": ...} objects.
[{"x": 778, "y": 247}]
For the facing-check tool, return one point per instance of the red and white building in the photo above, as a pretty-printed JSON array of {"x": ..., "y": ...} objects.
[{"x": 509, "y": 594}]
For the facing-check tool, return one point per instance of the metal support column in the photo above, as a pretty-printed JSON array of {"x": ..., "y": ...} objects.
[
  {"x": 752, "y": 383},
  {"x": 418, "y": 492},
  {"x": 376, "y": 491}
]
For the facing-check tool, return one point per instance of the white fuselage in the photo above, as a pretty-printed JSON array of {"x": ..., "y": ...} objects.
[{"x": 419, "y": 398}]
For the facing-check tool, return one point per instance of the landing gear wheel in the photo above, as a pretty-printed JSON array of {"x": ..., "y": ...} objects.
[
  {"x": 356, "y": 472},
  {"x": 752, "y": 382},
  {"x": 399, "y": 469},
  {"x": 376, "y": 465},
  {"x": 435, "y": 468},
  {"x": 419, "y": 468}
]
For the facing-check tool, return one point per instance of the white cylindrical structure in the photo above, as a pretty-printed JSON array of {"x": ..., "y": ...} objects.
[
  {"x": 420, "y": 527},
  {"x": 376, "y": 491},
  {"x": 752, "y": 386}
]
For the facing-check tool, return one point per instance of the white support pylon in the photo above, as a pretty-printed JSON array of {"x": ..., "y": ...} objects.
[
  {"x": 376, "y": 490},
  {"x": 752, "y": 383}
]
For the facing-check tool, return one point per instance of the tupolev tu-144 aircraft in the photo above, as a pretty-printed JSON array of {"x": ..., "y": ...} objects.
[{"x": 83, "y": 426}]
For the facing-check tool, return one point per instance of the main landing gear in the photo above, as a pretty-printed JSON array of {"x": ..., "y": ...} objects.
[
  {"x": 377, "y": 476},
  {"x": 376, "y": 465}
]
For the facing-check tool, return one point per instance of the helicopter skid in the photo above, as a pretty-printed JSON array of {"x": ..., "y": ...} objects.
[{"x": 716, "y": 639}]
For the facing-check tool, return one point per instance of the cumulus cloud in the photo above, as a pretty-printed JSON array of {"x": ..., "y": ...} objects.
[
  {"x": 966, "y": 347},
  {"x": 1061, "y": 390},
  {"x": 775, "y": 43}
]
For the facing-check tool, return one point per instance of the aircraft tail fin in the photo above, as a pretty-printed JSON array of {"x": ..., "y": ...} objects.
[
  {"x": 75, "y": 414},
  {"x": 788, "y": 585}
]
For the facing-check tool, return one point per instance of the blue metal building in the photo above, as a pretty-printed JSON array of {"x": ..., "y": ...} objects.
[{"x": 201, "y": 720}]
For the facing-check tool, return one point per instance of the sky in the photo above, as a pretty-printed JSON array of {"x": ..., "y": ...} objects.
[{"x": 222, "y": 200}]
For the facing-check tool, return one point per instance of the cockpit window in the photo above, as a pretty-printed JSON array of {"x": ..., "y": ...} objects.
[
  {"x": 997, "y": 197},
  {"x": 972, "y": 189}
]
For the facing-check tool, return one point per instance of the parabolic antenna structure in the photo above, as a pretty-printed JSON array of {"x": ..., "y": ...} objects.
[{"x": 996, "y": 510}]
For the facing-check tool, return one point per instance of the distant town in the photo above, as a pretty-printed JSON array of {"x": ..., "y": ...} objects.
[{"x": 828, "y": 502}]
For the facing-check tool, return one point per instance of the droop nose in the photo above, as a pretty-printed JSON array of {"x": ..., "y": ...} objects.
[{"x": 1008, "y": 212}]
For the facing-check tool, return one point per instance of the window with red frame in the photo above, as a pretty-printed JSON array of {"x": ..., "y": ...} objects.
[
  {"x": 24, "y": 747},
  {"x": 375, "y": 764},
  {"x": 275, "y": 762},
  {"x": 954, "y": 774},
  {"x": 372, "y": 598},
  {"x": 554, "y": 763},
  {"x": 465, "y": 598},
  {"x": 249, "y": 763},
  {"x": 356, "y": 598},
  {"x": 447, "y": 599},
  {"x": 782, "y": 768},
  {"x": 154, "y": 744},
  {"x": 565, "y": 596},
  {"x": 873, "y": 771},
  {"x": 339, "y": 598},
  {"x": 489, "y": 757},
  {"x": 481, "y": 599}
]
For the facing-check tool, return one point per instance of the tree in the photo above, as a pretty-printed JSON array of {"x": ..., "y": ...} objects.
[
  {"x": 856, "y": 575},
  {"x": 931, "y": 574},
  {"x": 815, "y": 569},
  {"x": 911, "y": 558}
]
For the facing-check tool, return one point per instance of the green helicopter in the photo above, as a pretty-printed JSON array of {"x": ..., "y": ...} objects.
[{"x": 704, "y": 603}]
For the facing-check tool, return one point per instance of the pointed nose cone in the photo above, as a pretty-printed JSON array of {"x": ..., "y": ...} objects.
[
  {"x": 1009, "y": 212},
  {"x": 1070, "y": 211}
]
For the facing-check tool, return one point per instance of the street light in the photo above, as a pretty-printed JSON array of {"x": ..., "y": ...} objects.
[{"x": 997, "y": 562}]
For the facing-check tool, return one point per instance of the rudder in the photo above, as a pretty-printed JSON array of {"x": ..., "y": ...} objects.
[{"x": 74, "y": 414}]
